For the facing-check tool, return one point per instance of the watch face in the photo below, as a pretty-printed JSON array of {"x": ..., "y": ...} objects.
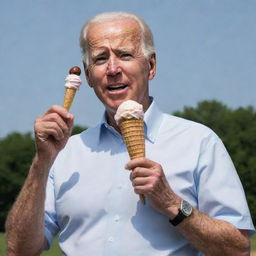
[{"x": 186, "y": 208}]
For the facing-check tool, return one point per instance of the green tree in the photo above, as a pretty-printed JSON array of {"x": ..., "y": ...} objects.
[
  {"x": 237, "y": 129},
  {"x": 78, "y": 129},
  {"x": 16, "y": 151}
]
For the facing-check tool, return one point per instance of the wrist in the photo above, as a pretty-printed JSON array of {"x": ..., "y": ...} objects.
[
  {"x": 38, "y": 174},
  {"x": 185, "y": 210},
  {"x": 45, "y": 157},
  {"x": 42, "y": 163},
  {"x": 173, "y": 209}
]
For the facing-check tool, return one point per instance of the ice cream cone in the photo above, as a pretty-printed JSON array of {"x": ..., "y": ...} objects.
[
  {"x": 72, "y": 84},
  {"x": 132, "y": 131},
  {"x": 68, "y": 98}
]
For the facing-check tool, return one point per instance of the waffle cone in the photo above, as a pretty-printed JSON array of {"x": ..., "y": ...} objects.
[
  {"x": 133, "y": 134},
  {"x": 68, "y": 98},
  {"x": 132, "y": 131}
]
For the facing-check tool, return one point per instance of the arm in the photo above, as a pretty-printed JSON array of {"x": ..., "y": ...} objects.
[
  {"x": 208, "y": 235},
  {"x": 25, "y": 222}
]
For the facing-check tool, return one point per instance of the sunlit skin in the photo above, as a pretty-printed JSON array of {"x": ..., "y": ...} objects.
[{"x": 117, "y": 69}]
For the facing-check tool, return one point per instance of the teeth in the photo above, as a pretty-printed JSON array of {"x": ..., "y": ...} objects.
[{"x": 115, "y": 87}]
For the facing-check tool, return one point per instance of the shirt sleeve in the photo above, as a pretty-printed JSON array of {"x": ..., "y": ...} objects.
[
  {"x": 220, "y": 192},
  {"x": 50, "y": 220}
]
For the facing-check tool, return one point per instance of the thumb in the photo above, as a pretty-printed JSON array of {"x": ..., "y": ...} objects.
[{"x": 70, "y": 122}]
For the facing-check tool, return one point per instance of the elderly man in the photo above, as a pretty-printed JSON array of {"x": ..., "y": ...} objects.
[{"x": 195, "y": 201}]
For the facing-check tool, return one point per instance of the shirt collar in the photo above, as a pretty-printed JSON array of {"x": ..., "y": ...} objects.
[{"x": 152, "y": 119}]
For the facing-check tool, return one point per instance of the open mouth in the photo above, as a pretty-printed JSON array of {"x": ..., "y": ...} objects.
[{"x": 116, "y": 87}]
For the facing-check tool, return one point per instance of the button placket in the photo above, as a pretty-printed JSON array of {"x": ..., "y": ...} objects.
[
  {"x": 111, "y": 239},
  {"x": 116, "y": 218}
]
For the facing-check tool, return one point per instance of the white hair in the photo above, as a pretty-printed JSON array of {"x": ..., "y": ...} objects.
[{"x": 147, "y": 41}]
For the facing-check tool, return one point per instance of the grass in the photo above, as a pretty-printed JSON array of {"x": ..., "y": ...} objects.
[
  {"x": 254, "y": 243},
  {"x": 2, "y": 244},
  {"x": 55, "y": 250}
]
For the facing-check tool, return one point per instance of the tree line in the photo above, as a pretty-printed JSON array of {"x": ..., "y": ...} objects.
[{"x": 236, "y": 128}]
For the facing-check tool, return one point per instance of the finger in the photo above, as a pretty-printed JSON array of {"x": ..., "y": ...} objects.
[
  {"x": 140, "y": 162},
  {"x": 48, "y": 133},
  {"x": 55, "y": 130},
  {"x": 55, "y": 117},
  {"x": 140, "y": 172},
  {"x": 140, "y": 181},
  {"x": 58, "y": 109},
  {"x": 46, "y": 129},
  {"x": 70, "y": 123},
  {"x": 65, "y": 124},
  {"x": 141, "y": 190},
  {"x": 59, "y": 115},
  {"x": 65, "y": 120}
]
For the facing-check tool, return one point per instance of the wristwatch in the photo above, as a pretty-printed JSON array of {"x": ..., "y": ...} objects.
[{"x": 185, "y": 210}]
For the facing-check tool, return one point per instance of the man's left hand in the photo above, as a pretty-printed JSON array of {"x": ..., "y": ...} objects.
[{"x": 148, "y": 178}]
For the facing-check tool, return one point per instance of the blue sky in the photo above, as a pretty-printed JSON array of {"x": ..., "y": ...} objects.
[{"x": 206, "y": 49}]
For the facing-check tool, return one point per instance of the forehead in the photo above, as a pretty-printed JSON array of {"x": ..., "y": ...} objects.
[{"x": 118, "y": 33}]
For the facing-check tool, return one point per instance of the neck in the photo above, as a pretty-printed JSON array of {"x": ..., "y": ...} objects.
[
  {"x": 110, "y": 115},
  {"x": 111, "y": 120}
]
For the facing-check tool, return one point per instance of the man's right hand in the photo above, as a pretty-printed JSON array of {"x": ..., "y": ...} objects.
[
  {"x": 52, "y": 130},
  {"x": 25, "y": 222}
]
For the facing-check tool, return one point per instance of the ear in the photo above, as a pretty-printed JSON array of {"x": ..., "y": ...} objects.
[
  {"x": 87, "y": 74},
  {"x": 152, "y": 66}
]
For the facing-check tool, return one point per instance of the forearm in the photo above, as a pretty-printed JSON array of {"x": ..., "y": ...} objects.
[
  {"x": 25, "y": 222},
  {"x": 207, "y": 235},
  {"x": 214, "y": 237}
]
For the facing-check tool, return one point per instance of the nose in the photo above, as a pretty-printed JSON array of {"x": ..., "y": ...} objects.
[{"x": 113, "y": 67}]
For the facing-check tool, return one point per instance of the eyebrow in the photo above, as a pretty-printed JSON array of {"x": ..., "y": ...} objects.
[
  {"x": 124, "y": 49},
  {"x": 98, "y": 53}
]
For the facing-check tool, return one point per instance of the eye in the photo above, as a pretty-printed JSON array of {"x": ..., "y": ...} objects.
[
  {"x": 125, "y": 56},
  {"x": 100, "y": 60}
]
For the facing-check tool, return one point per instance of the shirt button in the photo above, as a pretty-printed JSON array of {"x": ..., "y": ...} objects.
[
  {"x": 120, "y": 186},
  {"x": 116, "y": 218},
  {"x": 111, "y": 239}
]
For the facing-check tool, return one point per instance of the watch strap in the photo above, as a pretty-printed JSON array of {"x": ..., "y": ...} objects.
[
  {"x": 178, "y": 219},
  {"x": 185, "y": 210}
]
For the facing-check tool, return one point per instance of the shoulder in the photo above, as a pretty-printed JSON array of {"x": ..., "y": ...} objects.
[
  {"x": 178, "y": 125},
  {"x": 82, "y": 140},
  {"x": 91, "y": 132}
]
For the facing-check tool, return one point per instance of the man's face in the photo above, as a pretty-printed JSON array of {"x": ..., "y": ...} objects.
[{"x": 117, "y": 69}]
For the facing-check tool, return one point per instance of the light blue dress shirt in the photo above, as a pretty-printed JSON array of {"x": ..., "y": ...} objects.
[{"x": 91, "y": 203}]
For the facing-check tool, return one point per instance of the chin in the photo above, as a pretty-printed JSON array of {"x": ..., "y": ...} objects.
[
  {"x": 112, "y": 109},
  {"x": 114, "y": 106}
]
